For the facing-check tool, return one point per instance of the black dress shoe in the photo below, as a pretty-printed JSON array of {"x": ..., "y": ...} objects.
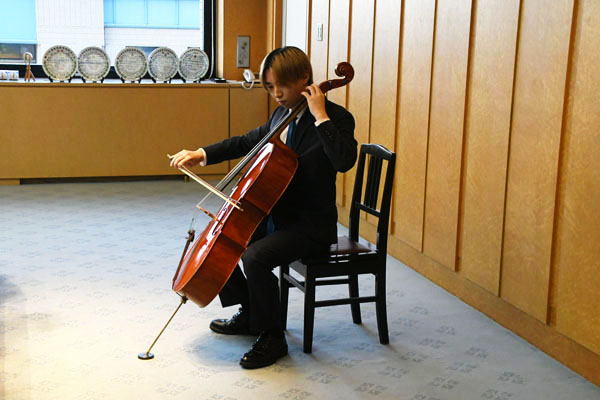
[
  {"x": 268, "y": 348},
  {"x": 236, "y": 325}
]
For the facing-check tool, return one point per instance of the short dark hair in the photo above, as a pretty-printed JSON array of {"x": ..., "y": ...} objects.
[{"x": 287, "y": 64}]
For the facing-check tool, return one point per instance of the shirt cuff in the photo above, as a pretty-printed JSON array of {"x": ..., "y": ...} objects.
[
  {"x": 203, "y": 162},
  {"x": 319, "y": 122}
]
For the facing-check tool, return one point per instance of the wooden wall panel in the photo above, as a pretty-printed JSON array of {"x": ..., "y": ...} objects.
[
  {"x": 386, "y": 52},
  {"x": 385, "y": 72},
  {"x": 359, "y": 90},
  {"x": 533, "y": 160},
  {"x": 506, "y": 92},
  {"x": 487, "y": 133},
  {"x": 107, "y": 123},
  {"x": 94, "y": 128},
  {"x": 413, "y": 121},
  {"x": 248, "y": 109},
  {"x": 274, "y": 24},
  {"x": 338, "y": 45},
  {"x": 453, "y": 20},
  {"x": 576, "y": 270},
  {"x": 242, "y": 17},
  {"x": 319, "y": 48},
  {"x": 273, "y": 36},
  {"x": 338, "y": 52}
]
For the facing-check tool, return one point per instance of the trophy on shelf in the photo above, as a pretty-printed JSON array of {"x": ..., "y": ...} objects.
[
  {"x": 162, "y": 64},
  {"x": 193, "y": 65},
  {"x": 27, "y": 57},
  {"x": 131, "y": 64},
  {"x": 59, "y": 63}
]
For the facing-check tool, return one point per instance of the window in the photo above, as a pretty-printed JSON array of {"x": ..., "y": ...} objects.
[
  {"x": 36, "y": 25},
  {"x": 295, "y": 23},
  {"x": 174, "y": 14},
  {"x": 18, "y": 30},
  {"x": 147, "y": 24}
]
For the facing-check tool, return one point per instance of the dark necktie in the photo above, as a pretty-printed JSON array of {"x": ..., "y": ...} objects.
[{"x": 291, "y": 128}]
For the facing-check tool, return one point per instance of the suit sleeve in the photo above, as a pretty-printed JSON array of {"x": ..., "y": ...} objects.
[{"x": 337, "y": 137}]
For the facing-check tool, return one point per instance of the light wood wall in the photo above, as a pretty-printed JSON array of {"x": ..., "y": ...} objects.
[
  {"x": 102, "y": 130},
  {"x": 242, "y": 18},
  {"x": 492, "y": 109}
]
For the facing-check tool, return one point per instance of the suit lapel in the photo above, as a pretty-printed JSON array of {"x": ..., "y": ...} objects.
[
  {"x": 277, "y": 117},
  {"x": 300, "y": 131}
]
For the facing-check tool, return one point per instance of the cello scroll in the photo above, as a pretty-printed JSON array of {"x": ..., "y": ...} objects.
[{"x": 343, "y": 69}]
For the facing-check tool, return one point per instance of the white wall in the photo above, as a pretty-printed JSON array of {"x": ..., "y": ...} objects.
[
  {"x": 295, "y": 24},
  {"x": 177, "y": 39},
  {"x": 73, "y": 23},
  {"x": 80, "y": 23}
]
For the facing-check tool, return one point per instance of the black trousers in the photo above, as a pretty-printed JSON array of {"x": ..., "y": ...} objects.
[{"x": 258, "y": 289}]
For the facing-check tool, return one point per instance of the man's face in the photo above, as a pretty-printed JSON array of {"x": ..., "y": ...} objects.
[{"x": 286, "y": 95}]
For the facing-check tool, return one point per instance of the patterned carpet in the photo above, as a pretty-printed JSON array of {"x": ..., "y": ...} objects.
[{"x": 85, "y": 277}]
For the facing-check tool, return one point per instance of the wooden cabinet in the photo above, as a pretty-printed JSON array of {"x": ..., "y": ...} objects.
[{"x": 100, "y": 130}]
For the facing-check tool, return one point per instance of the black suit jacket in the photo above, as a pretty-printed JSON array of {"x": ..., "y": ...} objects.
[{"x": 308, "y": 204}]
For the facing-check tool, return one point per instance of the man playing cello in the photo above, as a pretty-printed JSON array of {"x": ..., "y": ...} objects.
[{"x": 303, "y": 223}]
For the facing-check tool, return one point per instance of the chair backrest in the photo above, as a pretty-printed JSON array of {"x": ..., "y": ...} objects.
[{"x": 365, "y": 197}]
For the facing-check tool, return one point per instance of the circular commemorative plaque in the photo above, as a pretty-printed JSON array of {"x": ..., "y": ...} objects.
[
  {"x": 193, "y": 64},
  {"x": 94, "y": 64},
  {"x": 131, "y": 64},
  {"x": 59, "y": 63},
  {"x": 162, "y": 65}
]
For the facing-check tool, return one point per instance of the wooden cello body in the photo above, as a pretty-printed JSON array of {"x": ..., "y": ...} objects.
[
  {"x": 213, "y": 256},
  {"x": 209, "y": 262}
]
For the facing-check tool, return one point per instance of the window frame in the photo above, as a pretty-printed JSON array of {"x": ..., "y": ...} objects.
[{"x": 210, "y": 48}]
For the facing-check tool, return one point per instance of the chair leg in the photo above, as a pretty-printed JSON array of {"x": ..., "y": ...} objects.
[
  {"x": 309, "y": 311},
  {"x": 284, "y": 290},
  {"x": 380, "y": 308},
  {"x": 355, "y": 308}
]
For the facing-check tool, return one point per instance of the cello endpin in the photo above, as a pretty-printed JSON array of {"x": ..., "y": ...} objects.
[{"x": 146, "y": 356}]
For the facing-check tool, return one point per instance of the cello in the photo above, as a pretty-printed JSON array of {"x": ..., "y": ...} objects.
[{"x": 205, "y": 267}]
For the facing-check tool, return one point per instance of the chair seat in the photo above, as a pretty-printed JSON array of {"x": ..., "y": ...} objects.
[
  {"x": 344, "y": 249},
  {"x": 345, "y": 245}
]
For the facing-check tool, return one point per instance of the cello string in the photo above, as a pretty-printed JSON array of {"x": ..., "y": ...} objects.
[
  {"x": 343, "y": 69},
  {"x": 244, "y": 161},
  {"x": 227, "y": 180}
]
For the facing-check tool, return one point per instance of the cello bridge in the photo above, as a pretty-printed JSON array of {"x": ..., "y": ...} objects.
[{"x": 207, "y": 212}]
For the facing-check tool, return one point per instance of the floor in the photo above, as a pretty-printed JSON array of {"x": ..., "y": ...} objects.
[{"x": 85, "y": 285}]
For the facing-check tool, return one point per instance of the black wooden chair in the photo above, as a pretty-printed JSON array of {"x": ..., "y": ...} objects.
[{"x": 348, "y": 258}]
